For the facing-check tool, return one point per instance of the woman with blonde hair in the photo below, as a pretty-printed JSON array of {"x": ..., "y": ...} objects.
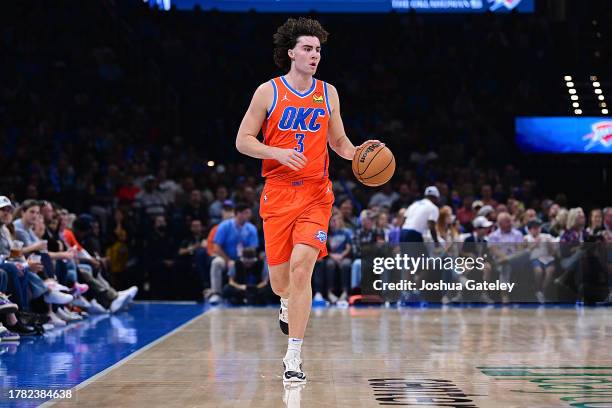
[
  {"x": 448, "y": 235},
  {"x": 575, "y": 224},
  {"x": 558, "y": 225},
  {"x": 446, "y": 227}
]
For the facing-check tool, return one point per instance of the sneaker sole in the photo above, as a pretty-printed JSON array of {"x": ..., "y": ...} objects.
[
  {"x": 7, "y": 339},
  {"x": 293, "y": 379},
  {"x": 8, "y": 308}
]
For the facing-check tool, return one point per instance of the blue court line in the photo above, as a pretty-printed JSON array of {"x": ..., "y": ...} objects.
[{"x": 64, "y": 358}]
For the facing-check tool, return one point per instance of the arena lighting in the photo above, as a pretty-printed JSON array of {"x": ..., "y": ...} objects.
[
  {"x": 567, "y": 78},
  {"x": 593, "y": 78},
  {"x": 601, "y": 97},
  {"x": 578, "y": 111},
  {"x": 570, "y": 84},
  {"x": 596, "y": 84},
  {"x": 604, "y": 111},
  {"x": 598, "y": 91},
  {"x": 603, "y": 105},
  {"x": 574, "y": 97},
  {"x": 576, "y": 105},
  {"x": 572, "y": 91},
  {"x": 211, "y": 163}
]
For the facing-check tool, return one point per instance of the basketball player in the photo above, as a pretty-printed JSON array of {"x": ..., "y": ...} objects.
[{"x": 298, "y": 116}]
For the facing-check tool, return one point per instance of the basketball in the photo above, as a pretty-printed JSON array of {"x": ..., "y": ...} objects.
[{"x": 373, "y": 164}]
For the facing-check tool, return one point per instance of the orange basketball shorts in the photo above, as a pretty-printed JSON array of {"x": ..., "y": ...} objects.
[{"x": 295, "y": 213}]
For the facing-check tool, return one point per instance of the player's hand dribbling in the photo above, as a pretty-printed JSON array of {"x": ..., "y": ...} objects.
[
  {"x": 368, "y": 142},
  {"x": 291, "y": 158}
]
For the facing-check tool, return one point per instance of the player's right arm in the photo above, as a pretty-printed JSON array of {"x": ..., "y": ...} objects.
[{"x": 246, "y": 140}]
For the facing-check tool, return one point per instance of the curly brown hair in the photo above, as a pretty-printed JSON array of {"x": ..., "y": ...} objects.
[{"x": 287, "y": 35}]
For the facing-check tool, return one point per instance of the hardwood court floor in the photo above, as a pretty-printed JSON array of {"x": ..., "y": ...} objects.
[{"x": 483, "y": 357}]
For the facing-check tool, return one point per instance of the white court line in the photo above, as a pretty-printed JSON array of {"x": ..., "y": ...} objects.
[{"x": 119, "y": 363}]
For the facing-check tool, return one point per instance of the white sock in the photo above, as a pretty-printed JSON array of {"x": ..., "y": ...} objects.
[
  {"x": 285, "y": 302},
  {"x": 294, "y": 348}
]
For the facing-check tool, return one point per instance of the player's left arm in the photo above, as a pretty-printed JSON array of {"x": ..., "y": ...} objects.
[{"x": 336, "y": 136}]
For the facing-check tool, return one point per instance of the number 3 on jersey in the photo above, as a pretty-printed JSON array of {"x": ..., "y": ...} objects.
[{"x": 300, "y": 141}]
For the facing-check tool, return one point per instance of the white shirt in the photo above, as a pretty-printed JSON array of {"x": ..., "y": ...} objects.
[
  {"x": 544, "y": 251},
  {"x": 419, "y": 213}
]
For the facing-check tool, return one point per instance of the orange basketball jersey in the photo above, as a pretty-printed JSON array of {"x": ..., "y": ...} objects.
[{"x": 297, "y": 121}]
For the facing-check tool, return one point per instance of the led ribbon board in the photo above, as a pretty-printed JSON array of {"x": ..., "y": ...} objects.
[
  {"x": 584, "y": 135},
  {"x": 354, "y": 6}
]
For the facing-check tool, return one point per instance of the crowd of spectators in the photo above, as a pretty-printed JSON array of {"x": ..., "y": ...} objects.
[{"x": 121, "y": 132}]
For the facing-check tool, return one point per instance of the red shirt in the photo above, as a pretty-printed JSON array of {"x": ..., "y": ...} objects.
[{"x": 465, "y": 215}]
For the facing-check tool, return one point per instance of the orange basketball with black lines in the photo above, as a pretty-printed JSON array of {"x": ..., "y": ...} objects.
[{"x": 373, "y": 164}]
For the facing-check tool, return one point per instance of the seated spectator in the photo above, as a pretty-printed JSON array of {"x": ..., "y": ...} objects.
[
  {"x": 607, "y": 226},
  {"x": 542, "y": 251},
  {"x": 194, "y": 209},
  {"x": 248, "y": 284},
  {"x": 466, "y": 213},
  {"x": 382, "y": 223},
  {"x": 227, "y": 212},
  {"x": 27, "y": 286},
  {"x": 338, "y": 260},
  {"x": 24, "y": 232},
  {"x": 11, "y": 328},
  {"x": 505, "y": 244},
  {"x": 404, "y": 199},
  {"x": 192, "y": 261},
  {"x": 559, "y": 223},
  {"x": 385, "y": 197},
  {"x": 63, "y": 260},
  {"x": 529, "y": 215},
  {"x": 475, "y": 246},
  {"x": 368, "y": 233},
  {"x": 549, "y": 213},
  {"x": 151, "y": 202},
  {"x": 395, "y": 230},
  {"x": 232, "y": 237},
  {"x": 103, "y": 296},
  {"x": 215, "y": 208},
  {"x": 128, "y": 191},
  {"x": 571, "y": 249},
  {"x": 120, "y": 247},
  {"x": 448, "y": 245},
  {"x": 476, "y": 206},
  {"x": 595, "y": 221},
  {"x": 348, "y": 217},
  {"x": 160, "y": 250},
  {"x": 488, "y": 212},
  {"x": 486, "y": 196}
]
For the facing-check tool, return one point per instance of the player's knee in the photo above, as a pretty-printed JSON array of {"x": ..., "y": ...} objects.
[
  {"x": 300, "y": 274},
  {"x": 279, "y": 286}
]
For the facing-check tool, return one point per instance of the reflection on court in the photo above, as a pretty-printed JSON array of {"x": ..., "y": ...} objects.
[{"x": 483, "y": 357}]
